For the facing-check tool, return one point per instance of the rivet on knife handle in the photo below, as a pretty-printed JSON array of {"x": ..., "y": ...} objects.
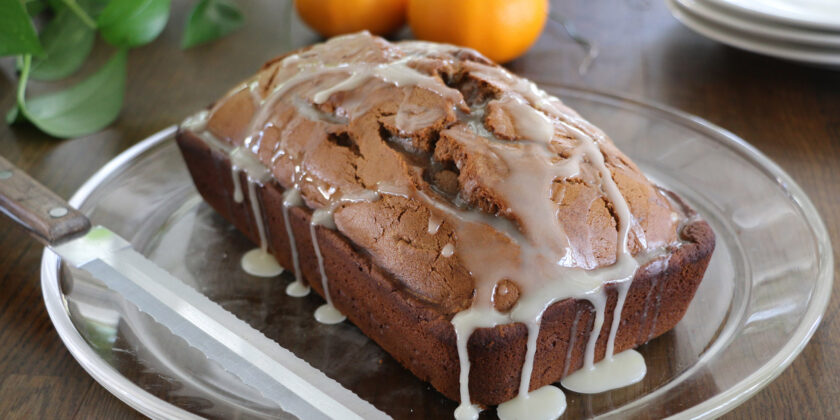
[{"x": 47, "y": 216}]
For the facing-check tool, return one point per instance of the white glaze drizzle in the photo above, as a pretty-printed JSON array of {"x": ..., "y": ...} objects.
[
  {"x": 412, "y": 117},
  {"x": 434, "y": 224},
  {"x": 291, "y": 198},
  {"x": 532, "y": 164},
  {"x": 657, "y": 306},
  {"x": 257, "y": 262},
  {"x": 237, "y": 185},
  {"x": 571, "y": 345},
  {"x": 353, "y": 81},
  {"x": 546, "y": 403},
  {"x": 197, "y": 123},
  {"x": 548, "y": 268},
  {"x": 396, "y": 72},
  {"x": 327, "y": 313},
  {"x": 622, "y": 369},
  {"x": 658, "y": 265},
  {"x": 614, "y": 371},
  {"x": 256, "y": 211},
  {"x": 260, "y": 263}
]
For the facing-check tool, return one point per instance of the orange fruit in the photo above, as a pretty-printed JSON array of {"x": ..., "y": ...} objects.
[
  {"x": 335, "y": 17},
  {"x": 500, "y": 29}
]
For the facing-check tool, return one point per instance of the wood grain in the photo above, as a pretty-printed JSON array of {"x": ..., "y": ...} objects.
[
  {"x": 789, "y": 112},
  {"x": 47, "y": 216}
]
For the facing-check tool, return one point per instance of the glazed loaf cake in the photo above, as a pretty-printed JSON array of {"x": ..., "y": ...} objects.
[{"x": 449, "y": 209}]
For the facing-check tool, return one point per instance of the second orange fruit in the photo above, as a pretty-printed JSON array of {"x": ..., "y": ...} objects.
[
  {"x": 500, "y": 29},
  {"x": 336, "y": 17}
]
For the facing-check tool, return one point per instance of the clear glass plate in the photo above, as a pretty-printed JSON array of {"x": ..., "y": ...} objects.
[{"x": 763, "y": 296}]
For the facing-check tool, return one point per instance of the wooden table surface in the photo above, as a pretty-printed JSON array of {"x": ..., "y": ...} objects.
[{"x": 789, "y": 112}]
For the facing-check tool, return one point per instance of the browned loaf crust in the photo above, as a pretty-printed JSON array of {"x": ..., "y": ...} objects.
[{"x": 384, "y": 271}]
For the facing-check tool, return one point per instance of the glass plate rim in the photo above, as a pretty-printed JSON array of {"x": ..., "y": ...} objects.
[
  {"x": 58, "y": 311},
  {"x": 153, "y": 407},
  {"x": 800, "y": 21},
  {"x": 746, "y": 388}
]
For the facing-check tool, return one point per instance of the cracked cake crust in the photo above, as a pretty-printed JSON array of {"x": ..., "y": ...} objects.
[{"x": 384, "y": 264}]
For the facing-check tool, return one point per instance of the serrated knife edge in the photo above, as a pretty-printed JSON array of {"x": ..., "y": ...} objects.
[{"x": 236, "y": 346}]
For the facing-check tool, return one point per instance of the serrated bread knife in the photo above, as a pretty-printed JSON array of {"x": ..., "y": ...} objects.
[{"x": 243, "y": 351}]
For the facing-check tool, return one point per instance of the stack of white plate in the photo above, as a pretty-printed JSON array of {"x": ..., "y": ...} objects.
[{"x": 800, "y": 30}]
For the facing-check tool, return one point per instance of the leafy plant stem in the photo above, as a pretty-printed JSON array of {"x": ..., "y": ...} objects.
[
  {"x": 24, "y": 78},
  {"x": 72, "y": 5}
]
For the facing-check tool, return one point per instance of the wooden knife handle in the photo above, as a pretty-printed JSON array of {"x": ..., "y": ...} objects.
[{"x": 47, "y": 216}]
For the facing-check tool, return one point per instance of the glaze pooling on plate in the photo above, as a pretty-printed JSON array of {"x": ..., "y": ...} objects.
[
  {"x": 546, "y": 403},
  {"x": 260, "y": 263},
  {"x": 625, "y": 368},
  {"x": 664, "y": 141},
  {"x": 257, "y": 262},
  {"x": 525, "y": 242}
]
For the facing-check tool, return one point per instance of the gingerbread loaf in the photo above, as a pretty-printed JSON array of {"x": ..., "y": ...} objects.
[{"x": 448, "y": 208}]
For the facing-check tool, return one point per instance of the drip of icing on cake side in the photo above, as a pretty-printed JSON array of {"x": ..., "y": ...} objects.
[{"x": 525, "y": 241}]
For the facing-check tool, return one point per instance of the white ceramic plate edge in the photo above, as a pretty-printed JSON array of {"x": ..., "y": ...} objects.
[
  {"x": 764, "y": 29},
  {"x": 769, "y": 13},
  {"x": 749, "y": 43}
]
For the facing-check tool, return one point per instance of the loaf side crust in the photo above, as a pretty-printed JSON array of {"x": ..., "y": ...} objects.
[{"x": 419, "y": 335}]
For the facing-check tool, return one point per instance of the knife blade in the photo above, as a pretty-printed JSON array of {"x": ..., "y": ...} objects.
[{"x": 257, "y": 361}]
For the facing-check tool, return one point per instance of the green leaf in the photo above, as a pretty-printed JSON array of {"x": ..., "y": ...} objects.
[
  {"x": 17, "y": 35},
  {"x": 130, "y": 23},
  {"x": 67, "y": 42},
  {"x": 84, "y": 108},
  {"x": 35, "y": 7},
  {"x": 94, "y": 7},
  {"x": 55, "y": 5},
  {"x": 90, "y": 7},
  {"x": 209, "y": 20},
  {"x": 73, "y": 6},
  {"x": 14, "y": 115}
]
